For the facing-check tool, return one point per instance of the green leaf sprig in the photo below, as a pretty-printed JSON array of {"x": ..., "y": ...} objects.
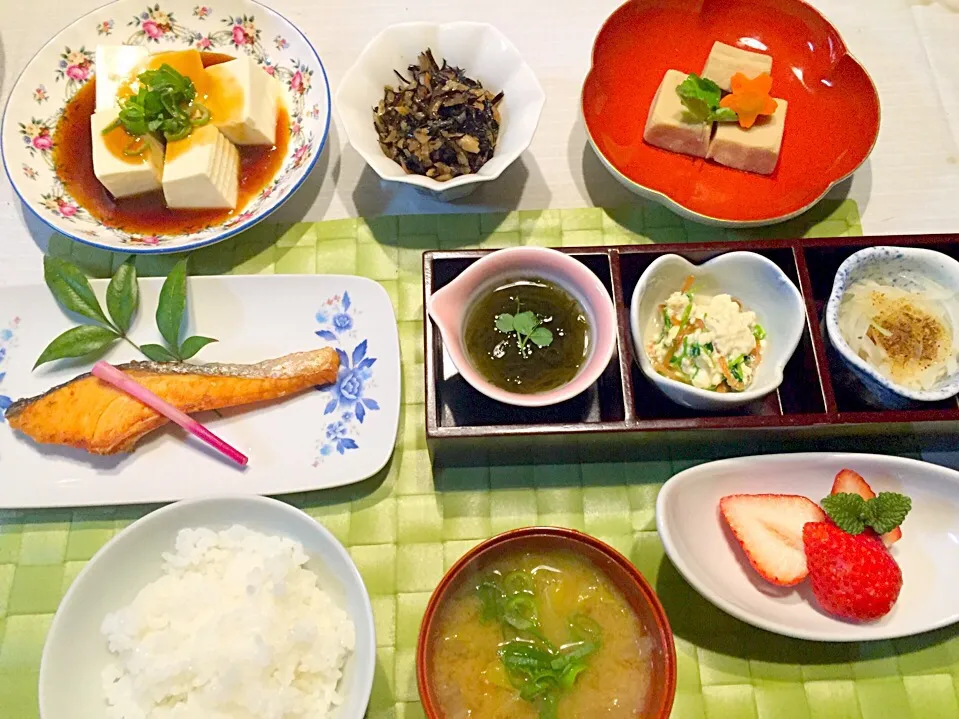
[
  {"x": 852, "y": 514},
  {"x": 538, "y": 669},
  {"x": 701, "y": 97},
  {"x": 165, "y": 104},
  {"x": 72, "y": 290},
  {"x": 528, "y": 328}
]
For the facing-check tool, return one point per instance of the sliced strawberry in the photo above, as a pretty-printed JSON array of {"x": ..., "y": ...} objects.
[
  {"x": 769, "y": 529},
  {"x": 852, "y": 576},
  {"x": 850, "y": 482}
]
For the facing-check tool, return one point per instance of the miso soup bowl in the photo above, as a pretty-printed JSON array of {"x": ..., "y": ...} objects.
[
  {"x": 621, "y": 572},
  {"x": 450, "y": 306}
]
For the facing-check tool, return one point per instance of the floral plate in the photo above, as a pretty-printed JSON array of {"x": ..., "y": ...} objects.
[
  {"x": 66, "y": 63},
  {"x": 327, "y": 437}
]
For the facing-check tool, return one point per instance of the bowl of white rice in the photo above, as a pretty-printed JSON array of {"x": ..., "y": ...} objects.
[{"x": 218, "y": 608}]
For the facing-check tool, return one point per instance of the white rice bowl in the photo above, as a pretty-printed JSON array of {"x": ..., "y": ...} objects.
[{"x": 235, "y": 628}]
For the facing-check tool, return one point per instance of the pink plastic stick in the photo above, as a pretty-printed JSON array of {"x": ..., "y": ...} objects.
[{"x": 110, "y": 374}]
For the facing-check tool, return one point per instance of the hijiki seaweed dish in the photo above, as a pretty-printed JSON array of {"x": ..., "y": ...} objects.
[{"x": 438, "y": 122}]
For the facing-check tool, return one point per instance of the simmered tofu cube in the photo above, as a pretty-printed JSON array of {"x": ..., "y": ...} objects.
[
  {"x": 724, "y": 61},
  {"x": 201, "y": 171},
  {"x": 121, "y": 173},
  {"x": 752, "y": 150},
  {"x": 669, "y": 124},
  {"x": 115, "y": 66},
  {"x": 243, "y": 102}
]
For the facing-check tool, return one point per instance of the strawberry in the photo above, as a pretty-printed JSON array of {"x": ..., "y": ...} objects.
[
  {"x": 853, "y": 576},
  {"x": 769, "y": 528},
  {"x": 851, "y": 482}
]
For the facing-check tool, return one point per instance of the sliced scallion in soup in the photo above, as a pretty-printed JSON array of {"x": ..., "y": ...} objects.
[{"x": 539, "y": 636}]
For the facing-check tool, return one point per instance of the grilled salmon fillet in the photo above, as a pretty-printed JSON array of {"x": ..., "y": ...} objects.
[{"x": 92, "y": 415}]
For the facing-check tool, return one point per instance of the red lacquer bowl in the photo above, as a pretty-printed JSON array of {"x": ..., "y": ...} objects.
[
  {"x": 621, "y": 572},
  {"x": 831, "y": 125}
]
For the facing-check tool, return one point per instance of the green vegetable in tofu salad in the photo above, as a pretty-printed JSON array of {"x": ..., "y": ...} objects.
[
  {"x": 709, "y": 342},
  {"x": 538, "y": 669}
]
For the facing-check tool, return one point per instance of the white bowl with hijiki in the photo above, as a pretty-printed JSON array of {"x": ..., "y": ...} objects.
[
  {"x": 443, "y": 107},
  {"x": 892, "y": 317},
  {"x": 715, "y": 336},
  {"x": 165, "y": 126}
]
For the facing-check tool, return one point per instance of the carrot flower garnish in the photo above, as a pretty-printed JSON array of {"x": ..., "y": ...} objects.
[{"x": 750, "y": 98}]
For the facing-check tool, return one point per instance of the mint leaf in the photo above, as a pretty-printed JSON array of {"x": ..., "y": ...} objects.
[
  {"x": 158, "y": 353},
  {"x": 887, "y": 511},
  {"x": 525, "y": 322},
  {"x": 71, "y": 288},
  {"x": 123, "y": 295},
  {"x": 192, "y": 345},
  {"x": 172, "y": 305},
  {"x": 541, "y": 337},
  {"x": 847, "y": 510},
  {"x": 77, "y": 342},
  {"x": 504, "y": 322},
  {"x": 700, "y": 96}
]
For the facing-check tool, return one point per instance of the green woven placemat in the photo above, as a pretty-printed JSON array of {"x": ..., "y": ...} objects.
[{"x": 406, "y": 525}]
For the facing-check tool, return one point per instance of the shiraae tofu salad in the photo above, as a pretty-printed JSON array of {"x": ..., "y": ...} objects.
[{"x": 708, "y": 341}]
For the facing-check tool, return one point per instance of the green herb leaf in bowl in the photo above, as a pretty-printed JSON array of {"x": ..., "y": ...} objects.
[{"x": 701, "y": 97}]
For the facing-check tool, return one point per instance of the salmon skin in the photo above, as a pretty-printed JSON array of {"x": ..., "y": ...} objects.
[{"x": 89, "y": 414}]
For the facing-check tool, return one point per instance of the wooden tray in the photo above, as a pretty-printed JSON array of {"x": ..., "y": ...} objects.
[{"x": 623, "y": 412}]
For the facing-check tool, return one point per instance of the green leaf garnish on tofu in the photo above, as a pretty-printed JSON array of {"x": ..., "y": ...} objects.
[
  {"x": 701, "y": 97},
  {"x": 164, "y": 105}
]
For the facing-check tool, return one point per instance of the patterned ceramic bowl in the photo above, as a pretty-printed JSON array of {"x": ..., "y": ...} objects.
[
  {"x": 896, "y": 266},
  {"x": 66, "y": 63}
]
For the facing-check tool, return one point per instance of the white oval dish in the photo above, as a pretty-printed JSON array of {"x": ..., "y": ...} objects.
[
  {"x": 885, "y": 264},
  {"x": 484, "y": 53},
  {"x": 66, "y": 63},
  {"x": 752, "y": 279},
  {"x": 75, "y": 652},
  {"x": 706, "y": 554}
]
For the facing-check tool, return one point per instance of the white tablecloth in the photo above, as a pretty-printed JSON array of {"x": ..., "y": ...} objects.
[{"x": 910, "y": 183}]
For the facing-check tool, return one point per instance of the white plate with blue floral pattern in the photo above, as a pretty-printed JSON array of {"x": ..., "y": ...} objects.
[
  {"x": 66, "y": 63},
  {"x": 322, "y": 438}
]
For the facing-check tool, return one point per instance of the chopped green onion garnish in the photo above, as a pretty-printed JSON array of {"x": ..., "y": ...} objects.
[
  {"x": 200, "y": 115},
  {"x": 136, "y": 147},
  {"x": 758, "y": 332},
  {"x": 686, "y": 314},
  {"x": 163, "y": 104}
]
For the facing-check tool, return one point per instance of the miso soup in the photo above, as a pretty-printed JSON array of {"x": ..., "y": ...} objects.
[
  {"x": 527, "y": 336},
  {"x": 540, "y": 636}
]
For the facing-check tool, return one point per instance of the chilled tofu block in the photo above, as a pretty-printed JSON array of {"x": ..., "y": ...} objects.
[
  {"x": 121, "y": 173},
  {"x": 243, "y": 102},
  {"x": 201, "y": 171},
  {"x": 115, "y": 66},
  {"x": 724, "y": 61},
  {"x": 669, "y": 124},
  {"x": 752, "y": 150}
]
